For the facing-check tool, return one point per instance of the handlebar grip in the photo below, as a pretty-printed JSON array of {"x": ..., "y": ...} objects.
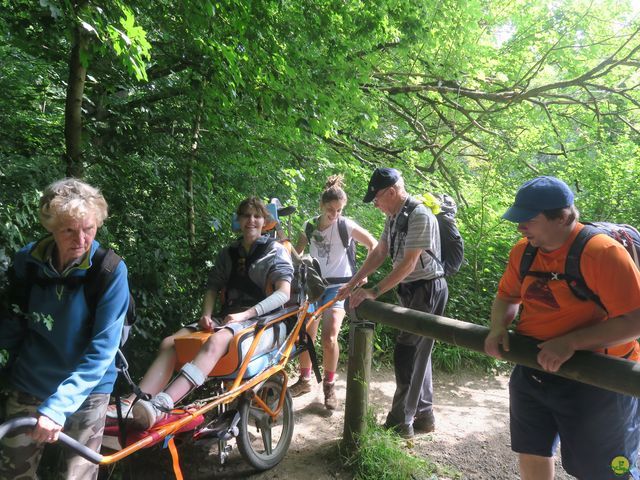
[
  {"x": 82, "y": 450},
  {"x": 18, "y": 422}
]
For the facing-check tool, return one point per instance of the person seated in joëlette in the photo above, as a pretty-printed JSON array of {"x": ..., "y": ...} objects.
[{"x": 255, "y": 273}]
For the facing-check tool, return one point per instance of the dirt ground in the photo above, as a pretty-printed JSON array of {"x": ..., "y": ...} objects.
[{"x": 471, "y": 440}]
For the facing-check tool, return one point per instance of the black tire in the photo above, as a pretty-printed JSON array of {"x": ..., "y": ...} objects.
[{"x": 263, "y": 442}]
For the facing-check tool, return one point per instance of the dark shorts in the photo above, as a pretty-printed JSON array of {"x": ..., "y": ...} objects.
[{"x": 599, "y": 430}]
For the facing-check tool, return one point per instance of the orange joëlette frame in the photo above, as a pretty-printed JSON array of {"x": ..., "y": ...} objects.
[{"x": 236, "y": 387}]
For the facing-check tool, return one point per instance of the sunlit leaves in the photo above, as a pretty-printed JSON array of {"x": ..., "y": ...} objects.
[{"x": 114, "y": 26}]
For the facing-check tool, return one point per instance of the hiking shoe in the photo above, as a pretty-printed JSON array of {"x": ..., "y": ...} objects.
[
  {"x": 424, "y": 423},
  {"x": 125, "y": 406},
  {"x": 330, "y": 399},
  {"x": 302, "y": 386},
  {"x": 390, "y": 423},
  {"x": 146, "y": 413},
  {"x": 402, "y": 429}
]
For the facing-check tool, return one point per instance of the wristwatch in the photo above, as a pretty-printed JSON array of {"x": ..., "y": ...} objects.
[{"x": 376, "y": 290}]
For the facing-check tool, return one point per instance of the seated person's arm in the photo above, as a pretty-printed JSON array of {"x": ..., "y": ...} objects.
[
  {"x": 278, "y": 298},
  {"x": 208, "y": 306}
]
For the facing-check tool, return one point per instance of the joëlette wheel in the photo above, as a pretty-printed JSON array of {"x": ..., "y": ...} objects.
[{"x": 263, "y": 441}]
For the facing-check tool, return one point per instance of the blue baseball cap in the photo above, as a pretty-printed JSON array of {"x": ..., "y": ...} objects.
[
  {"x": 538, "y": 195},
  {"x": 381, "y": 178}
]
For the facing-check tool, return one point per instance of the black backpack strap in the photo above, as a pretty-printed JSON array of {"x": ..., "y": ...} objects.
[
  {"x": 308, "y": 345},
  {"x": 401, "y": 223},
  {"x": 19, "y": 289},
  {"x": 310, "y": 227},
  {"x": 528, "y": 256},
  {"x": 344, "y": 234},
  {"x": 103, "y": 265},
  {"x": 572, "y": 271},
  {"x": 123, "y": 367},
  {"x": 572, "y": 274},
  {"x": 437, "y": 260},
  {"x": 239, "y": 279},
  {"x": 259, "y": 251}
]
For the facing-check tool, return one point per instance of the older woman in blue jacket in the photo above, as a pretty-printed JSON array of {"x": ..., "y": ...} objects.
[{"x": 63, "y": 367}]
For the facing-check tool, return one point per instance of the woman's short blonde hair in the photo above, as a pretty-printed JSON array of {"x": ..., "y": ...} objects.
[{"x": 71, "y": 198}]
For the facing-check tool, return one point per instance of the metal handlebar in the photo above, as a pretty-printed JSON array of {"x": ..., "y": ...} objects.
[{"x": 82, "y": 450}]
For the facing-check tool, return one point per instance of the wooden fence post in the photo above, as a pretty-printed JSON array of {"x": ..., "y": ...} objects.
[{"x": 358, "y": 377}]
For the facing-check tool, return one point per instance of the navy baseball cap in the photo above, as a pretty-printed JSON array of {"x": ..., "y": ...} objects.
[
  {"x": 381, "y": 178},
  {"x": 538, "y": 195}
]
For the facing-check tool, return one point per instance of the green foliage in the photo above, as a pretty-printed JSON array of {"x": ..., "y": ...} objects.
[
  {"x": 114, "y": 26},
  {"x": 378, "y": 449},
  {"x": 45, "y": 319},
  {"x": 270, "y": 98}
]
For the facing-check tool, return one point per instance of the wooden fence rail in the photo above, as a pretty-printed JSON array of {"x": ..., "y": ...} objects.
[{"x": 611, "y": 373}]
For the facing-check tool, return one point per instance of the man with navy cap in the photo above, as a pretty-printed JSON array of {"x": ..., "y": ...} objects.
[
  {"x": 412, "y": 240},
  {"x": 599, "y": 430}
]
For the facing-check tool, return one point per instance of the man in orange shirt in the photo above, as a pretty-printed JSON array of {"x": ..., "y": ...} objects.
[{"x": 599, "y": 430}]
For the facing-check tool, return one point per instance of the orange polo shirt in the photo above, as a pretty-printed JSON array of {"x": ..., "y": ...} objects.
[{"x": 550, "y": 309}]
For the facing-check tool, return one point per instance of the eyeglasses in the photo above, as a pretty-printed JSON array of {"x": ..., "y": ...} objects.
[{"x": 379, "y": 194}]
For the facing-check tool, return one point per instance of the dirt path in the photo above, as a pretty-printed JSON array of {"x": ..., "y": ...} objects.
[{"x": 471, "y": 440}]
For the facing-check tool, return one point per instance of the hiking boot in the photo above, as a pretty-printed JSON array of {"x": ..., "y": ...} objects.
[
  {"x": 402, "y": 429},
  {"x": 146, "y": 413},
  {"x": 302, "y": 386},
  {"x": 425, "y": 423},
  {"x": 330, "y": 399}
]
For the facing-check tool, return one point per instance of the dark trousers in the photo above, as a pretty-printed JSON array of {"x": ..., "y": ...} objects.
[{"x": 412, "y": 354}]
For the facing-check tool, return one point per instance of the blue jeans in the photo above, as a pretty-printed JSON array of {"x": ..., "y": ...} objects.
[{"x": 328, "y": 295}]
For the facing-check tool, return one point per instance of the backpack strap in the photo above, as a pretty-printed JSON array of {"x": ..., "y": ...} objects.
[
  {"x": 239, "y": 279},
  {"x": 528, "y": 256},
  {"x": 572, "y": 266},
  {"x": 572, "y": 274},
  {"x": 306, "y": 344},
  {"x": 103, "y": 265},
  {"x": 310, "y": 227},
  {"x": 20, "y": 289},
  {"x": 259, "y": 251},
  {"x": 401, "y": 223},
  {"x": 342, "y": 230}
]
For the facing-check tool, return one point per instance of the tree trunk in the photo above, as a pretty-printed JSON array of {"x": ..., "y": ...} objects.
[
  {"x": 191, "y": 209},
  {"x": 73, "y": 106}
]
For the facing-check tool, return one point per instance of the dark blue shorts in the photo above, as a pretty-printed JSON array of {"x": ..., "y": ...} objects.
[{"x": 599, "y": 430}]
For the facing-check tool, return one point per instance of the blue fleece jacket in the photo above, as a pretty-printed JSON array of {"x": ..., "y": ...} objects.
[{"x": 62, "y": 366}]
